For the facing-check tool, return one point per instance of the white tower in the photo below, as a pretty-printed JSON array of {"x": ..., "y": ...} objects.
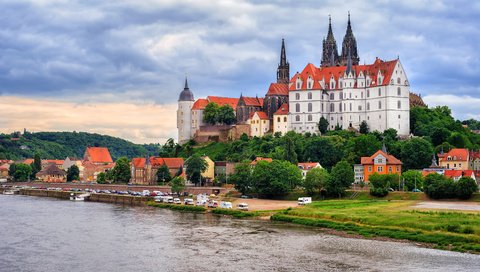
[{"x": 184, "y": 114}]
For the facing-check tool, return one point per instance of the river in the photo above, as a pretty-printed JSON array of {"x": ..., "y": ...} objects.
[{"x": 45, "y": 234}]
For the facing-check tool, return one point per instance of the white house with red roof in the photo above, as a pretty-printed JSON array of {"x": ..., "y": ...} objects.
[
  {"x": 259, "y": 124},
  {"x": 281, "y": 120},
  {"x": 305, "y": 167}
]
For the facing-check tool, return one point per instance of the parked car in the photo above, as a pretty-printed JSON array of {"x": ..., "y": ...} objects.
[
  {"x": 226, "y": 205},
  {"x": 146, "y": 193},
  {"x": 177, "y": 201},
  {"x": 188, "y": 201},
  {"x": 242, "y": 206},
  {"x": 168, "y": 199},
  {"x": 213, "y": 204},
  {"x": 416, "y": 191}
]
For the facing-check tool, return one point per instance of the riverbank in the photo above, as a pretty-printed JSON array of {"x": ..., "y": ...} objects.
[{"x": 457, "y": 231}]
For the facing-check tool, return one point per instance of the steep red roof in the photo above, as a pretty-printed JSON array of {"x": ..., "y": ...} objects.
[
  {"x": 386, "y": 69},
  {"x": 157, "y": 161},
  {"x": 390, "y": 158},
  {"x": 278, "y": 89},
  {"x": 200, "y": 104},
  {"x": 99, "y": 155},
  {"x": 232, "y": 102},
  {"x": 262, "y": 115},
  {"x": 253, "y": 101},
  {"x": 307, "y": 165},
  {"x": 283, "y": 110},
  {"x": 173, "y": 162},
  {"x": 28, "y": 161},
  {"x": 458, "y": 154},
  {"x": 458, "y": 173}
]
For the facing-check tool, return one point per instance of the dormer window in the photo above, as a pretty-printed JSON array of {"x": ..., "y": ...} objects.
[
  {"x": 297, "y": 96},
  {"x": 299, "y": 83}
]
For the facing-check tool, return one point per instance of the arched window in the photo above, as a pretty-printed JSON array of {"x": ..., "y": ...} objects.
[
  {"x": 297, "y": 118},
  {"x": 285, "y": 119},
  {"x": 399, "y": 91},
  {"x": 340, "y": 107},
  {"x": 332, "y": 96},
  {"x": 297, "y": 107},
  {"x": 309, "y": 117},
  {"x": 297, "y": 96},
  {"x": 350, "y": 106},
  {"x": 309, "y": 95},
  {"x": 399, "y": 104},
  {"x": 368, "y": 93},
  {"x": 379, "y": 92},
  {"x": 398, "y": 80},
  {"x": 332, "y": 107},
  {"x": 368, "y": 106},
  {"x": 379, "y": 105},
  {"x": 278, "y": 119},
  {"x": 341, "y": 96},
  {"x": 309, "y": 107}
]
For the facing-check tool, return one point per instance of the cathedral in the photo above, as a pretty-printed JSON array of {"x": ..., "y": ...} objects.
[{"x": 340, "y": 89}]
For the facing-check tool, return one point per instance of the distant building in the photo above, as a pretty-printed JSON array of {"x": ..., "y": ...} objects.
[
  {"x": 97, "y": 155},
  {"x": 58, "y": 163},
  {"x": 259, "y": 124},
  {"x": 457, "y": 174},
  {"x": 305, "y": 167},
  {"x": 281, "y": 120},
  {"x": 209, "y": 174},
  {"x": 144, "y": 170},
  {"x": 359, "y": 174},
  {"x": 52, "y": 173},
  {"x": 381, "y": 163},
  {"x": 257, "y": 159},
  {"x": 456, "y": 158},
  {"x": 224, "y": 168}
]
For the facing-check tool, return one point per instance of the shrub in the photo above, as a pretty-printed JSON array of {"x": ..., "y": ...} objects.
[
  {"x": 379, "y": 192},
  {"x": 465, "y": 187}
]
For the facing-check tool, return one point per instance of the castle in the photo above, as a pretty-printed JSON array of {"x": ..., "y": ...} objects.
[{"x": 340, "y": 90}]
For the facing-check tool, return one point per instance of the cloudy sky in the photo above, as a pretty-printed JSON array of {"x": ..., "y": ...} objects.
[{"x": 117, "y": 67}]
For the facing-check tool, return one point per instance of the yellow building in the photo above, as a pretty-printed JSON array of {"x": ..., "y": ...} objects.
[
  {"x": 259, "y": 124},
  {"x": 457, "y": 158},
  {"x": 209, "y": 174},
  {"x": 280, "y": 120}
]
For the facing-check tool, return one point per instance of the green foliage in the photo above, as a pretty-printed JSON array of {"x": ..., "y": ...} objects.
[
  {"x": 364, "y": 127},
  {"x": 121, "y": 171},
  {"x": 182, "y": 208},
  {"x": 341, "y": 178},
  {"x": 102, "y": 178},
  {"x": 438, "y": 186},
  {"x": 459, "y": 140},
  {"x": 226, "y": 115},
  {"x": 416, "y": 153},
  {"x": 235, "y": 213},
  {"x": 381, "y": 183},
  {"x": 275, "y": 179},
  {"x": 472, "y": 124},
  {"x": 290, "y": 154},
  {"x": 36, "y": 165},
  {"x": 365, "y": 146},
  {"x": 412, "y": 179},
  {"x": 22, "y": 172},
  {"x": 214, "y": 114},
  {"x": 177, "y": 184},
  {"x": 242, "y": 178},
  {"x": 163, "y": 174},
  {"x": 326, "y": 150},
  {"x": 323, "y": 125},
  {"x": 210, "y": 114},
  {"x": 195, "y": 166},
  {"x": 465, "y": 187},
  {"x": 316, "y": 181},
  {"x": 73, "y": 173},
  {"x": 12, "y": 169}
]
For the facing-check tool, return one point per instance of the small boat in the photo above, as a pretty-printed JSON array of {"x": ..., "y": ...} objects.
[
  {"x": 80, "y": 197},
  {"x": 8, "y": 192}
]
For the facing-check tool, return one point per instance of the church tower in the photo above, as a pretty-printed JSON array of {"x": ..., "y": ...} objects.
[
  {"x": 184, "y": 114},
  {"x": 349, "y": 46},
  {"x": 283, "y": 70},
  {"x": 330, "y": 51}
]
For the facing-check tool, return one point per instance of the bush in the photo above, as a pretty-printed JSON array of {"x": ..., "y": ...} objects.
[
  {"x": 235, "y": 213},
  {"x": 379, "y": 192},
  {"x": 437, "y": 186},
  {"x": 465, "y": 187}
]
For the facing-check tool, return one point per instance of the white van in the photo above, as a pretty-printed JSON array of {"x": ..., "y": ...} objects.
[
  {"x": 226, "y": 205},
  {"x": 168, "y": 199},
  {"x": 304, "y": 200},
  {"x": 242, "y": 206}
]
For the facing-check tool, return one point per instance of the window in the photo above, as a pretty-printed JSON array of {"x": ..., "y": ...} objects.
[
  {"x": 379, "y": 92},
  {"x": 309, "y": 107},
  {"x": 278, "y": 119},
  {"x": 309, "y": 95},
  {"x": 368, "y": 93},
  {"x": 297, "y": 118},
  {"x": 332, "y": 96},
  {"x": 361, "y": 94},
  {"x": 297, "y": 96},
  {"x": 368, "y": 106},
  {"x": 398, "y": 80},
  {"x": 297, "y": 107},
  {"x": 322, "y": 107},
  {"x": 380, "y": 169},
  {"x": 285, "y": 119},
  {"x": 399, "y": 104},
  {"x": 332, "y": 107},
  {"x": 350, "y": 95},
  {"x": 379, "y": 105},
  {"x": 309, "y": 117},
  {"x": 399, "y": 116},
  {"x": 380, "y": 160},
  {"x": 389, "y": 169},
  {"x": 309, "y": 85},
  {"x": 398, "y": 169},
  {"x": 369, "y": 169},
  {"x": 340, "y": 107},
  {"x": 399, "y": 91},
  {"x": 360, "y": 107},
  {"x": 350, "y": 106}
]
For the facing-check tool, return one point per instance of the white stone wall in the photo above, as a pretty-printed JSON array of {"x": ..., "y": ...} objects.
[
  {"x": 184, "y": 116},
  {"x": 280, "y": 124},
  {"x": 197, "y": 121}
]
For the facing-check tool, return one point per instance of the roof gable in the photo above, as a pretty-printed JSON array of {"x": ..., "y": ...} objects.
[{"x": 98, "y": 155}]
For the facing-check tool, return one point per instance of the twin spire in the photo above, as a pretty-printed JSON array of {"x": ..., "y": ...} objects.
[
  {"x": 283, "y": 70},
  {"x": 330, "y": 56}
]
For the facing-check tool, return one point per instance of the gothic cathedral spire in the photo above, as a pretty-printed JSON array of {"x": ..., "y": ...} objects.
[
  {"x": 330, "y": 51},
  {"x": 283, "y": 70},
  {"x": 349, "y": 46}
]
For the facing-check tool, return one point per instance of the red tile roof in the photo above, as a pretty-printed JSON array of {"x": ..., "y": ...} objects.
[
  {"x": 262, "y": 115},
  {"x": 99, "y": 155},
  {"x": 57, "y": 162},
  {"x": 257, "y": 159},
  {"x": 458, "y": 173},
  {"x": 232, "y": 102},
  {"x": 253, "y": 101},
  {"x": 386, "y": 69},
  {"x": 157, "y": 161},
  {"x": 390, "y": 159},
  {"x": 460, "y": 154},
  {"x": 278, "y": 89},
  {"x": 283, "y": 110},
  {"x": 307, "y": 165},
  {"x": 200, "y": 104}
]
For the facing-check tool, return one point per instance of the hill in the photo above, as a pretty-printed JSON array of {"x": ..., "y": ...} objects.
[{"x": 59, "y": 145}]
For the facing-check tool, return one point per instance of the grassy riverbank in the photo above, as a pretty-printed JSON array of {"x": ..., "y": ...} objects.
[
  {"x": 186, "y": 208},
  {"x": 459, "y": 231}
]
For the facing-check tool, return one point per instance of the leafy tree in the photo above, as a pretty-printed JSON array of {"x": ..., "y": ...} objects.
[
  {"x": 36, "y": 165},
  {"x": 102, "y": 178},
  {"x": 242, "y": 178},
  {"x": 439, "y": 135},
  {"x": 341, "y": 178},
  {"x": 465, "y": 187},
  {"x": 226, "y": 115},
  {"x": 413, "y": 179},
  {"x": 195, "y": 166},
  {"x": 459, "y": 140},
  {"x": 12, "y": 169},
  {"x": 275, "y": 179},
  {"x": 316, "y": 181},
  {"x": 416, "y": 153},
  {"x": 364, "y": 127},
  {"x": 326, "y": 150},
  {"x": 121, "y": 171},
  {"x": 323, "y": 125},
  {"x": 390, "y": 134},
  {"x": 365, "y": 145},
  {"x": 73, "y": 173},
  {"x": 290, "y": 154},
  {"x": 163, "y": 174},
  {"x": 177, "y": 184},
  {"x": 381, "y": 183},
  {"x": 244, "y": 137},
  {"x": 437, "y": 186},
  {"x": 211, "y": 113},
  {"x": 338, "y": 127},
  {"x": 22, "y": 172}
]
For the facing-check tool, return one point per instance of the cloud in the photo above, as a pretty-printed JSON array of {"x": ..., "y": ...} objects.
[
  {"x": 463, "y": 107},
  {"x": 140, "y": 123}
]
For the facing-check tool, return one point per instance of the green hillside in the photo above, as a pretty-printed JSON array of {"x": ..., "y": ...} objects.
[{"x": 58, "y": 145}]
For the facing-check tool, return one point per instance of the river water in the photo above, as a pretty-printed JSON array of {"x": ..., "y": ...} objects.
[{"x": 45, "y": 234}]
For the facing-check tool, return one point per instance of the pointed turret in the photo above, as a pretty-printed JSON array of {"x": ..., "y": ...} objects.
[
  {"x": 330, "y": 51},
  {"x": 349, "y": 65},
  {"x": 283, "y": 70},
  {"x": 434, "y": 162},
  {"x": 186, "y": 94},
  {"x": 349, "y": 45},
  {"x": 384, "y": 148}
]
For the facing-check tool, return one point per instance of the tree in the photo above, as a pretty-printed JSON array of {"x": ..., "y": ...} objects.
[
  {"x": 341, "y": 178},
  {"x": 12, "y": 169},
  {"x": 22, "y": 172},
  {"x": 439, "y": 135},
  {"x": 326, "y": 150},
  {"x": 416, "y": 153},
  {"x": 177, "y": 184},
  {"x": 275, "y": 179},
  {"x": 338, "y": 127},
  {"x": 36, "y": 164},
  {"x": 211, "y": 113},
  {"x": 364, "y": 127},
  {"x": 290, "y": 154},
  {"x": 381, "y": 183},
  {"x": 316, "y": 181},
  {"x": 73, "y": 173},
  {"x": 163, "y": 174},
  {"x": 226, "y": 115},
  {"x": 102, "y": 178},
  {"x": 459, "y": 140},
  {"x": 195, "y": 166},
  {"x": 365, "y": 145},
  {"x": 121, "y": 171},
  {"x": 323, "y": 125},
  {"x": 438, "y": 186},
  {"x": 465, "y": 187},
  {"x": 413, "y": 179},
  {"x": 242, "y": 178}
]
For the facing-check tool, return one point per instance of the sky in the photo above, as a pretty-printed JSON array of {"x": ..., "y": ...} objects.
[{"x": 117, "y": 67}]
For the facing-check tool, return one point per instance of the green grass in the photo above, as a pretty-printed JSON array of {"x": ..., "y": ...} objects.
[
  {"x": 185, "y": 208},
  {"x": 458, "y": 231},
  {"x": 235, "y": 213}
]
